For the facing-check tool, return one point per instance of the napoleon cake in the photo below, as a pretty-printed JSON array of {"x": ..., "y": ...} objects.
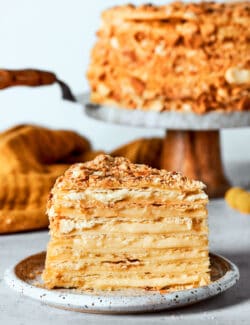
[
  {"x": 176, "y": 57},
  {"x": 115, "y": 225}
]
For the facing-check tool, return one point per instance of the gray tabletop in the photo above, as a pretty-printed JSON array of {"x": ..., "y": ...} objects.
[{"x": 229, "y": 236}]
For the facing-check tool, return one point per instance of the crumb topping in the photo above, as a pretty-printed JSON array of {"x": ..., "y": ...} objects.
[
  {"x": 187, "y": 57},
  {"x": 108, "y": 172},
  {"x": 178, "y": 10}
]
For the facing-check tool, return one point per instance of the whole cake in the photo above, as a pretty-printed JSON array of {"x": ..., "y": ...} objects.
[
  {"x": 180, "y": 57},
  {"x": 116, "y": 225}
]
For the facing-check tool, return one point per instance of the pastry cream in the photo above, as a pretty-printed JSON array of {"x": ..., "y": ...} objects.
[
  {"x": 128, "y": 211},
  {"x": 165, "y": 225},
  {"x": 106, "y": 196}
]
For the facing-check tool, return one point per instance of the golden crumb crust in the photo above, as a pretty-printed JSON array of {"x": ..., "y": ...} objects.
[
  {"x": 177, "y": 57},
  {"x": 178, "y": 10},
  {"x": 108, "y": 172}
]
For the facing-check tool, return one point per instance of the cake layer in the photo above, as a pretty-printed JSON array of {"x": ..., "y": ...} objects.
[
  {"x": 127, "y": 211},
  {"x": 98, "y": 282},
  {"x": 133, "y": 268},
  {"x": 119, "y": 225},
  {"x": 60, "y": 250},
  {"x": 63, "y": 284},
  {"x": 147, "y": 196},
  {"x": 89, "y": 204},
  {"x": 128, "y": 242}
]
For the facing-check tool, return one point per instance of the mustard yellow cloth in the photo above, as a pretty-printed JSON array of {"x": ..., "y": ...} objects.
[{"x": 31, "y": 158}]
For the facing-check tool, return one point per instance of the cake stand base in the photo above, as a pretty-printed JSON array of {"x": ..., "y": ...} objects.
[{"x": 197, "y": 155}]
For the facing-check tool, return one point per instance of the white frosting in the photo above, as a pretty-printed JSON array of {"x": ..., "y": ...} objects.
[
  {"x": 194, "y": 197},
  {"x": 67, "y": 226},
  {"x": 51, "y": 212}
]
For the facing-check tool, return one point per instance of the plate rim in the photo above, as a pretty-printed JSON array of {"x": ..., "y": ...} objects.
[{"x": 97, "y": 303}]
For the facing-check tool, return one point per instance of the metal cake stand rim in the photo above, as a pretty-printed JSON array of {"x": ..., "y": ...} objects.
[{"x": 164, "y": 120}]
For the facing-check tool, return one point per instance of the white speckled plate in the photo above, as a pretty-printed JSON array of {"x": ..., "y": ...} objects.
[
  {"x": 25, "y": 277},
  {"x": 166, "y": 120}
]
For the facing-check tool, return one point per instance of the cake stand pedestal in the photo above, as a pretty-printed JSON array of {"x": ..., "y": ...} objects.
[
  {"x": 192, "y": 143},
  {"x": 196, "y": 154}
]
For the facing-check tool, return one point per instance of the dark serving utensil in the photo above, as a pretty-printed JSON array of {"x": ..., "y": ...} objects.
[{"x": 33, "y": 78}]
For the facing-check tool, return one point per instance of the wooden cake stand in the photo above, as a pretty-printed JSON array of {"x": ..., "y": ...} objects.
[{"x": 192, "y": 143}]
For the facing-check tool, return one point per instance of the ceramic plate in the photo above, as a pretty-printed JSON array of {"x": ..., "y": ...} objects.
[
  {"x": 165, "y": 120},
  {"x": 25, "y": 278}
]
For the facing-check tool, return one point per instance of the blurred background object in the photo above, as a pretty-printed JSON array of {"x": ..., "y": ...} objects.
[
  {"x": 239, "y": 199},
  {"x": 31, "y": 158},
  {"x": 165, "y": 64},
  {"x": 57, "y": 36},
  {"x": 33, "y": 78}
]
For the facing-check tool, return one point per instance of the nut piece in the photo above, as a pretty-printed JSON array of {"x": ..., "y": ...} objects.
[
  {"x": 103, "y": 90},
  {"x": 114, "y": 43},
  {"x": 156, "y": 105},
  {"x": 237, "y": 76},
  {"x": 160, "y": 49}
]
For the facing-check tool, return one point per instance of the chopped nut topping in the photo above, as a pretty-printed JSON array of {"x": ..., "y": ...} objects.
[
  {"x": 237, "y": 76},
  {"x": 171, "y": 57},
  {"x": 108, "y": 172}
]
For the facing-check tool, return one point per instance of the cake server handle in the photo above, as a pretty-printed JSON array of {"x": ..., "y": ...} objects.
[{"x": 33, "y": 78}]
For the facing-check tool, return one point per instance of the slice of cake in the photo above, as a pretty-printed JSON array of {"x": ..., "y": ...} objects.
[
  {"x": 116, "y": 225},
  {"x": 179, "y": 56}
]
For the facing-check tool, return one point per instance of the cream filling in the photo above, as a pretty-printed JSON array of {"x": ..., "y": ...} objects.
[
  {"x": 66, "y": 226},
  {"x": 118, "y": 225},
  {"x": 132, "y": 212},
  {"x": 133, "y": 268},
  {"x": 107, "y": 243},
  {"x": 153, "y": 282},
  {"x": 111, "y": 196}
]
